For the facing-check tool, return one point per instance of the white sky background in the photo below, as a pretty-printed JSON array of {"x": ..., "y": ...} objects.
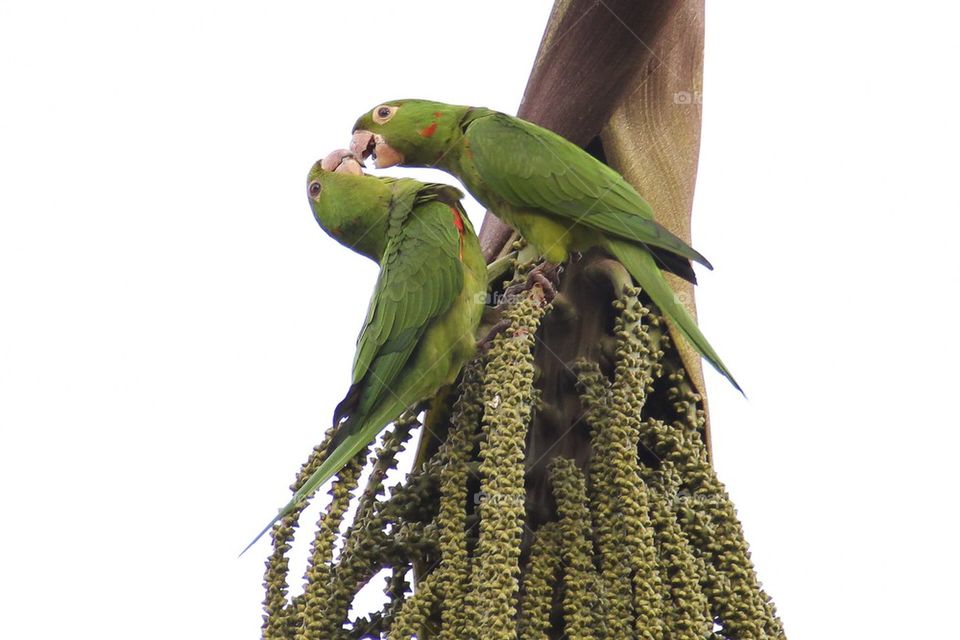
[{"x": 175, "y": 329}]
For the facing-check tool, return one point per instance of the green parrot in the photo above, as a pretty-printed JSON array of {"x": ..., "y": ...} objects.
[
  {"x": 558, "y": 196},
  {"x": 425, "y": 310}
]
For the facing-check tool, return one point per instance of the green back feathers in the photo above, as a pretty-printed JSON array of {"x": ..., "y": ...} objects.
[
  {"x": 533, "y": 168},
  {"x": 420, "y": 275}
]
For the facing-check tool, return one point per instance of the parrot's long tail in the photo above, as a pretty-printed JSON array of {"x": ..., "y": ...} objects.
[
  {"x": 641, "y": 265},
  {"x": 353, "y": 435}
]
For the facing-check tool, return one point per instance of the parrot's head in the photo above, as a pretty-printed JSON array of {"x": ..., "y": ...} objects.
[
  {"x": 413, "y": 133},
  {"x": 351, "y": 207}
]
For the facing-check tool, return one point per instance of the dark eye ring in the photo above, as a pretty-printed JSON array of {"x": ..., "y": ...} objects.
[{"x": 315, "y": 188}]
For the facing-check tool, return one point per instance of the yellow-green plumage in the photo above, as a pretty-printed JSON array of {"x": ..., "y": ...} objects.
[
  {"x": 559, "y": 197},
  {"x": 423, "y": 316}
]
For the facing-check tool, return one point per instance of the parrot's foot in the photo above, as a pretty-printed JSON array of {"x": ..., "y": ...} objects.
[
  {"x": 546, "y": 275},
  {"x": 487, "y": 341}
]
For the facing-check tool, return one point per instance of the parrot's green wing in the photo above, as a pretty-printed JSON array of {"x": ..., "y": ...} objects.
[
  {"x": 421, "y": 275},
  {"x": 534, "y": 168},
  {"x": 419, "y": 278}
]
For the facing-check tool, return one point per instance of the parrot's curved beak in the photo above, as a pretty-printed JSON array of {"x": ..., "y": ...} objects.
[
  {"x": 342, "y": 161},
  {"x": 366, "y": 143}
]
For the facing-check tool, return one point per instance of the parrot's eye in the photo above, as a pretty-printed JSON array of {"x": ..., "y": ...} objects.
[
  {"x": 383, "y": 113},
  {"x": 315, "y": 189}
]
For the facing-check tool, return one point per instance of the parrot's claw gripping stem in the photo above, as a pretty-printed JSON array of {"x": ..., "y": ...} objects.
[
  {"x": 487, "y": 341},
  {"x": 549, "y": 289},
  {"x": 545, "y": 274}
]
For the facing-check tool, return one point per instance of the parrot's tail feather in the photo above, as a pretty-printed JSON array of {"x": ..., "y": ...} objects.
[
  {"x": 641, "y": 265},
  {"x": 351, "y": 436},
  {"x": 638, "y": 229},
  {"x": 260, "y": 535},
  {"x": 348, "y": 404},
  {"x": 340, "y": 433},
  {"x": 675, "y": 264},
  {"x": 344, "y": 445}
]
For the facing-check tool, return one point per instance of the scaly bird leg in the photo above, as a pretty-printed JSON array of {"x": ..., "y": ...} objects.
[{"x": 545, "y": 275}]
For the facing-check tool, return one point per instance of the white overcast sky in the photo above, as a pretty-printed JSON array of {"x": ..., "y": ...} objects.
[{"x": 175, "y": 329}]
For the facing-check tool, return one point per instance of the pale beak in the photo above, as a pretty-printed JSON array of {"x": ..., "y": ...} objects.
[
  {"x": 365, "y": 143},
  {"x": 362, "y": 144},
  {"x": 342, "y": 161}
]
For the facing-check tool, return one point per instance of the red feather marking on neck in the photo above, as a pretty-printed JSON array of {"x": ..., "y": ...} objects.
[
  {"x": 428, "y": 132},
  {"x": 458, "y": 223},
  {"x": 457, "y": 220}
]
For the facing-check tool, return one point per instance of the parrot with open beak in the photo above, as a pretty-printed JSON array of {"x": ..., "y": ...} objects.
[
  {"x": 560, "y": 198},
  {"x": 423, "y": 317}
]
